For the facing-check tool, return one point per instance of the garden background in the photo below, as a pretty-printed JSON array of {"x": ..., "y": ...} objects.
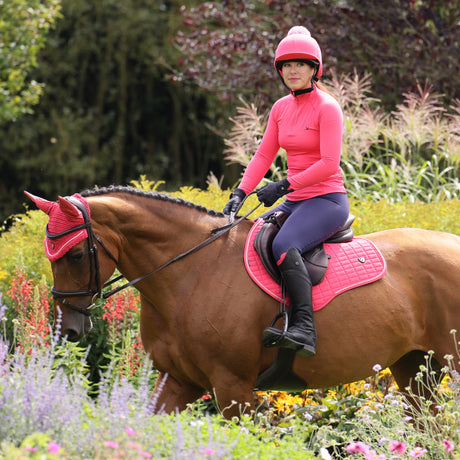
[{"x": 174, "y": 98}]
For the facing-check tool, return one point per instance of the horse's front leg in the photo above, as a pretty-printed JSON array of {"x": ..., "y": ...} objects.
[{"x": 170, "y": 395}]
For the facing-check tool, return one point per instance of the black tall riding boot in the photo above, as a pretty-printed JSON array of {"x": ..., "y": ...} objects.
[{"x": 301, "y": 333}]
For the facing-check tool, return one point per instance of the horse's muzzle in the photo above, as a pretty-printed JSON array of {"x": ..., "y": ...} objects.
[{"x": 75, "y": 327}]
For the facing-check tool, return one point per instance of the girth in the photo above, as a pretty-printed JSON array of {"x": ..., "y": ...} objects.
[{"x": 316, "y": 260}]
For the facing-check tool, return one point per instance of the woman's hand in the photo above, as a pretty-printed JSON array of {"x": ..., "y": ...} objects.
[
  {"x": 269, "y": 193},
  {"x": 235, "y": 201}
]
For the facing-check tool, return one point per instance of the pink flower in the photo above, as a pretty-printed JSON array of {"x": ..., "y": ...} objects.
[
  {"x": 134, "y": 446},
  {"x": 398, "y": 447},
  {"x": 359, "y": 446},
  {"x": 208, "y": 451},
  {"x": 129, "y": 431},
  {"x": 111, "y": 444},
  {"x": 449, "y": 445},
  {"x": 53, "y": 448},
  {"x": 30, "y": 449},
  {"x": 145, "y": 454},
  {"x": 372, "y": 455},
  {"x": 417, "y": 452}
]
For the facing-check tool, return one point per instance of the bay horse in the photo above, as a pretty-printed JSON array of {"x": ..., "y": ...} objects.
[{"x": 202, "y": 318}]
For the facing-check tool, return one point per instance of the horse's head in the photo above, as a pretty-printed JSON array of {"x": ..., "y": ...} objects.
[{"x": 72, "y": 248}]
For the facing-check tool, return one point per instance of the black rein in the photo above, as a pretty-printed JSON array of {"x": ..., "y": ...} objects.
[{"x": 92, "y": 239}]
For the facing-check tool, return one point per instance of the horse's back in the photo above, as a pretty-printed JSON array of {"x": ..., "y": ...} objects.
[
  {"x": 416, "y": 238},
  {"x": 423, "y": 251}
]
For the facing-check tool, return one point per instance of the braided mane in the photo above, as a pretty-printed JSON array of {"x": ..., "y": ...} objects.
[{"x": 147, "y": 194}]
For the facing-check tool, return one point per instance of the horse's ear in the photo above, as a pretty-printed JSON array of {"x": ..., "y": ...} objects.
[
  {"x": 45, "y": 205},
  {"x": 68, "y": 208}
]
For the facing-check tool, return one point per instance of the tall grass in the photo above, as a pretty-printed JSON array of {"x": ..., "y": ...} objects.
[{"x": 410, "y": 154}]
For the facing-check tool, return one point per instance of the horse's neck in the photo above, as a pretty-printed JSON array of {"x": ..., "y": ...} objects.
[{"x": 152, "y": 232}]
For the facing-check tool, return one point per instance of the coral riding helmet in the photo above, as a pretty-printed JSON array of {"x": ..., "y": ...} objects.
[{"x": 299, "y": 45}]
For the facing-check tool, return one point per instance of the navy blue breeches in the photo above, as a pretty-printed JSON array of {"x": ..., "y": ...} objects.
[{"x": 310, "y": 222}]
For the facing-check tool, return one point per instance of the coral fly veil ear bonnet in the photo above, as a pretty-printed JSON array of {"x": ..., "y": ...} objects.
[{"x": 63, "y": 216}]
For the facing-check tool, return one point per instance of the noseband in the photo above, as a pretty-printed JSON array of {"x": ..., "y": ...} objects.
[{"x": 95, "y": 278}]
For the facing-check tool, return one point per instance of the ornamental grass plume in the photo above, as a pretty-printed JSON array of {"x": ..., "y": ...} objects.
[{"x": 412, "y": 153}]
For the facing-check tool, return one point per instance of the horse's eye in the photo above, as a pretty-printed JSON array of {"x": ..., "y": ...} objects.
[{"x": 76, "y": 256}]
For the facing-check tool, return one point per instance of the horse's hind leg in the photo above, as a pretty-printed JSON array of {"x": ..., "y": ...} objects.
[{"x": 405, "y": 371}]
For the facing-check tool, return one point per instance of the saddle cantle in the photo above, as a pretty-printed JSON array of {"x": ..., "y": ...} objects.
[{"x": 316, "y": 260}]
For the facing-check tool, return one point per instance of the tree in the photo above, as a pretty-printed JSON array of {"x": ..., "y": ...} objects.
[
  {"x": 229, "y": 46},
  {"x": 24, "y": 25},
  {"x": 109, "y": 111}
]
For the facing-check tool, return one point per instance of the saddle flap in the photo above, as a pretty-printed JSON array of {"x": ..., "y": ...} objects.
[
  {"x": 263, "y": 243},
  {"x": 316, "y": 261}
]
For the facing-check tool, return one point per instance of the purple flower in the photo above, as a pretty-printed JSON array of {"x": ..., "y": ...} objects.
[
  {"x": 112, "y": 444},
  {"x": 373, "y": 455},
  {"x": 129, "y": 431}
]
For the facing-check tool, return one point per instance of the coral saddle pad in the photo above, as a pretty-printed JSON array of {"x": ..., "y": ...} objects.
[{"x": 351, "y": 264}]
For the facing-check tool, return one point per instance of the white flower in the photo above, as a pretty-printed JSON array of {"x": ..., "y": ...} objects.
[
  {"x": 377, "y": 368},
  {"x": 325, "y": 455}
]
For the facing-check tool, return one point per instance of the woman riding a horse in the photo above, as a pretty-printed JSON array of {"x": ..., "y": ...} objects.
[{"x": 308, "y": 125}]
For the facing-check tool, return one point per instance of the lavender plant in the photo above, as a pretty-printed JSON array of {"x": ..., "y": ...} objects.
[{"x": 45, "y": 414}]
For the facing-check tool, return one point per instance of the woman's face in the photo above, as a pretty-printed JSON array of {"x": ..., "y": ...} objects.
[{"x": 297, "y": 75}]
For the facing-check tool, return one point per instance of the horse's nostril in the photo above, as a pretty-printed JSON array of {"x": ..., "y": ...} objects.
[{"x": 71, "y": 335}]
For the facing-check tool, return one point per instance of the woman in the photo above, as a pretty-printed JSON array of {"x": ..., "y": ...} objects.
[{"x": 308, "y": 125}]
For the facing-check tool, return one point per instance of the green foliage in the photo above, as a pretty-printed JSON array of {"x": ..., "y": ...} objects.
[
  {"x": 24, "y": 25},
  {"x": 46, "y": 415},
  {"x": 383, "y": 215},
  {"x": 426, "y": 429},
  {"x": 109, "y": 112},
  {"x": 22, "y": 245}
]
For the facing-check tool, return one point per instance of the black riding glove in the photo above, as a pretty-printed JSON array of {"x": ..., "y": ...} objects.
[
  {"x": 269, "y": 193},
  {"x": 235, "y": 201}
]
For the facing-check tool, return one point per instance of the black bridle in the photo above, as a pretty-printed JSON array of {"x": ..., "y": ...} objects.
[{"x": 95, "y": 278}]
